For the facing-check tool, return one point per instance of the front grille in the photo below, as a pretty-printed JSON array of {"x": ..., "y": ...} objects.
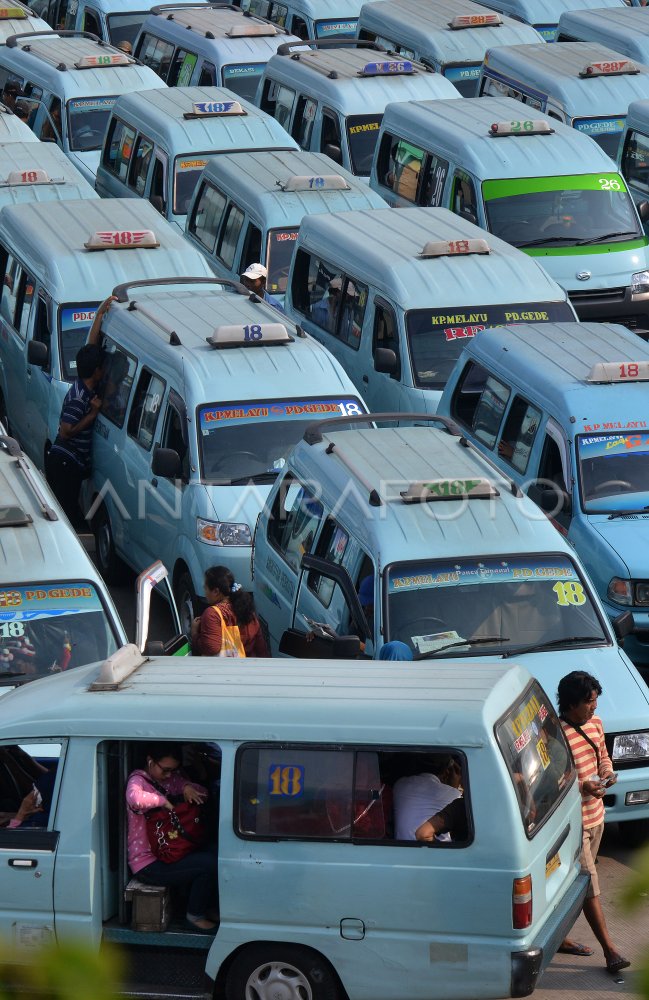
[{"x": 598, "y": 295}]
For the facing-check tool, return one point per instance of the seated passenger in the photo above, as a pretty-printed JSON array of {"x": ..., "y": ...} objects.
[
  {"x": 451, "y": 820},
  {"x": 419, "y": 796},
  {"x": 155, "y": 787}
]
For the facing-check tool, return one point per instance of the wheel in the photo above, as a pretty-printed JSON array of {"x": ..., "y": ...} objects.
[
  {"x": 634, "y": 833},
  {"x": 615, "y": 483},
  {"x": 280, "y": 972},
  {"x": 110, "y": 565},
  {"x": 418, "y": 626},
  {"x": 186, "y": 601}
]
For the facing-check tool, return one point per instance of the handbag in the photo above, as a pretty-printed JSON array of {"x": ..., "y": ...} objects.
[
  {"x": 175, "y": 833},
  {"x": 231, "y": 644}
]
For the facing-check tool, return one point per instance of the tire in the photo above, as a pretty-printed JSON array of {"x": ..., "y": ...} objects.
[
  {"x": 634, "y": 833},
  {"x": 110, "y": 565},
  {"x": 266, "y": 971},
  {"x": 185, "y": 596}
]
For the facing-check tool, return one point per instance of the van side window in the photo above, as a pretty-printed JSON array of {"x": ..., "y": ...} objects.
[
  {"x": 208, "y": 75},
  {"x": 11, "y": 281},
  {"x": 174, "y": 432},
  {"x": 278, "y": 13},
  {"x": 118, "y": 372},
  {"x": 400, "y": 165},
  {"x": 553, "y": 475},
  {"x": 51, "y": 129},
  {"x": 519, "y": 433},
  {"x": 118, "y": 148},
  {"x": 230, "y": 235},
  {"x": 489, "y": 411},
  {"x": 432, "y": 185},
  {"x": 207, "y": 215},
  {"x": 21, "y": 768},
  {"x": 467, "y": 393},
  {"x": 386, "y": 335},
  {"x": 324, "y": 284},
  {"x": 331, "y": 142},
  {"x": 294, "y": 521},
  {"x": 140, "y": 163},
  {"x": 157, "y": 191},
  {"x": 332, "y": 545},
  {"x": 23, "y": 304},
  {"x": 493, "y": 88},
  {"x": 91, "y": 22},
  {"x": 283, "y": 109},
  {"x": 156, "y": 54},
  {"x": 42, "y": 331},
  {"x": 146, "y": 406},
  {"x": 251, "y": 247},
  {"x": 352, "y": 312},
  {"x": 463, "y": 198},
  {"x": 269, "y": 97},
  {"x": 299, "y": 28},
  {"x": 182, "y": 68},
  {"x": 635, "y": 160},
  {"x": 303, "y": 121}
]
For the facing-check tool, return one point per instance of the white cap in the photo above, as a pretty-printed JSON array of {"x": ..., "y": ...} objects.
[{"x": 255, "y": 271}]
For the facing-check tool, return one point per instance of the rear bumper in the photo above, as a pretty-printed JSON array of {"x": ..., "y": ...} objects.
[{"x": 528, "y": 965}]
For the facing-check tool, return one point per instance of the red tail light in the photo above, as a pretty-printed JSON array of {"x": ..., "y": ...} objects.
[{"x": 522, "y": 902}]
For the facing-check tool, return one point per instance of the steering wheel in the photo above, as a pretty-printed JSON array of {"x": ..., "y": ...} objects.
[
  {"x": 419, "y": 626},
  {"x": 620, "y": 483},
  {"x": 233, "y": 455}
]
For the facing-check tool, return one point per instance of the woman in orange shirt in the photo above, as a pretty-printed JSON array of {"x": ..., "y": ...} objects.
[{"x": 236, "y": 607}]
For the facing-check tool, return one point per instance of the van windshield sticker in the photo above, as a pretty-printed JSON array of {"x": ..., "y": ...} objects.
[
  {"x": 453, "y": 73},
  {"x": 74, "y": 323},
  {"x": 613, "y": 444},
  {"x": 23, "y": 604},
  {"x": 529, "y": 185},
  {"x": 340, "y": 29},
  {"x": 190, "y": 164},
  {"x": 547, "y": 31},
  {"x": 466, "y": 572},
  {"x": 600, "y": 126},
  {"x": 91, "y": 104},
  {"x": 210, "y": 416}
]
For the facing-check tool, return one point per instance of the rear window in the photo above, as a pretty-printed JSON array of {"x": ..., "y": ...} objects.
[{"x": 537, "y": 756}]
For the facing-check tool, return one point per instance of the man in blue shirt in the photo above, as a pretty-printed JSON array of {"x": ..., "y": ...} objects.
[
  {"x": 254, "y": 278},
  {"x": 68, "y": 462}
]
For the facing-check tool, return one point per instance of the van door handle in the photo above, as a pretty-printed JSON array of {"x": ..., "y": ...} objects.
[
  {"x": 154, "y": 482},
  {"x": 366, "y": 380},
  {"x": 22, "y": 863}
]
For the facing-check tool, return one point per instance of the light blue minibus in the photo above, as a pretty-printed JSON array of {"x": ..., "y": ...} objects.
[
  {"x": 18, "y": 17},
  {"x": 263, "y": 197},
  {"x": 309, "y": 18},
  {"x": 625, "y": 29},
  {"x": 58, "y": 261},
  {"x": 568, "y": 422},
  {"x": 582, "y": 84},
  {"x": 451, "y": 38},
  {"x": 12, "y": 129},
  {"x": 544, "y": 15},
  {"x": 633, "y": 152},
  {"x": 158, "y": 142},
  {"x": 208, "y": 45},
  {"x": 316, "y": 897},
  {"x": 39, "y": 171},
  {"x": 404, "y": 532},
  {"x": 535, "y": 183},
  {"x": 393, "y": 295},
  {"x": 331, "y": 97}
]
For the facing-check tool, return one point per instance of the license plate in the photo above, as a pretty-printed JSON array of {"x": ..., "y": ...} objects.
[{"x": 552, "y": 864}]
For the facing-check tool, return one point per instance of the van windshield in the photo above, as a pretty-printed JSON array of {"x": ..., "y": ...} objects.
[
  {"x": 88, "y": 121},
  {"x": 539, "y": 762},
  {"x": 464, "y": 78},
  {"x": 362, "y": 133},
  {"x": 74, "y": 325},
  {"x": 613, "y": 471},
  {"x": 187, "y": 170},
  {"x": 243, "y": 441},
  {"x": 561, "y": 211},
  {"x": 243, "y": 79},
  {"x": 436, "y": 336},
  {"x": 281, "y": 243},
  {"x": 336, "y": 29},
  {"x": 50, "y": 627},
  {"x": 605, "y": 131},
  {"x": 125, "y": 27},
  {"x": 487, "y": 606}
]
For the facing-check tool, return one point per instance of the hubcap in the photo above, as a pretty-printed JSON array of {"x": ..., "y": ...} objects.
[{"x": 277, "y": 981}]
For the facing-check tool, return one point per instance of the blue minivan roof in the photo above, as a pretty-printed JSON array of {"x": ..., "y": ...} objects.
[
  {"x": 256, "y": 180},
  {"x": 61, "y": 181},
  {"x": 554, "y": 69},
  {"x": 449, "y": 705},
  {"x": 424, "y": 27},
  {"x": 12, "y": 129},
  {"x": 625, "y": 29},
  {"x": 638, "y": 115},
  {"x": 461, "y": 132},
  {"x": 547, "y": 11},
  {"x": 217, "y": 27},
  {"x": 556, "y": 358},
  {"x": 384, "y": 246},
  {"x": 50, "y": 237},
  {"x": 160, "y": 114}
]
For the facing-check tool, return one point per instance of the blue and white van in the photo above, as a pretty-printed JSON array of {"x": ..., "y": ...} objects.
[
  {"x": 39, "y": 171},
  {"x": 304, "y": 827},
  {"x": 173, "y": 132},
  {"x": 58, "y": 262},
  {"x": 545, "y": 15},
  {"x": 625, "y": 29},
  {"x": 451, "y": 37},
  {"x": 633, "y": 152},
  {"x": 408, "y": 533},
  {"x": 535, "y": 183},
  {"x": 18, "y": 17},
  {"x": 115, "y": 21},
  {"x": 394, "y": 295},
  {"x": 309, "y": 18},
  {"x": 219, "y": 387},
  {"x": 582, "y": 84},
  {"x": 261, "y": 198},
  {"x": 208, "y": 45},
  {"x": 331, "y": 97},
  {"x": 12, "y": 129},
  {"x": 72, "y": 81},
  {"x": 567, "y": 421}
]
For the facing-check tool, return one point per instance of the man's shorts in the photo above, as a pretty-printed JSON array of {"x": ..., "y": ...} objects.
[{"x": 590, "y": 842}]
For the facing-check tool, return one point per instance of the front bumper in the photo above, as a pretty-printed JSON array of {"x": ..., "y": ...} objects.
[{"x": 613, "y": 305}]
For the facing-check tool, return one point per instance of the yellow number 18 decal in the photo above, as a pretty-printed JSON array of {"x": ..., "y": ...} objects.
[
  {"x": 286, "y": 780},
  {"x": 568, "y": 593}
]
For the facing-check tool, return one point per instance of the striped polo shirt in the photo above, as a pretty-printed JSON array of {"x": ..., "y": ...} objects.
[
  {"x": 592, "y": 809},
  {"x": 75, "y": 406}
]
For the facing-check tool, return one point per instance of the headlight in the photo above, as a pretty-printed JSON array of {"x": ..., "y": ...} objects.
[
  {"x": 222, "y": 532},
  {"x": 642, "y": 593},
  {"x": 631, "y": 746},
  {"x": 640, "y": 282},
  {"x": 619, "y": 591}
]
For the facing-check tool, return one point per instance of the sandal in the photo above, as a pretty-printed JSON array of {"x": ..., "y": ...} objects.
[
  {"x": 575, "y": 949},
  {"x": 617, "y": 965}
]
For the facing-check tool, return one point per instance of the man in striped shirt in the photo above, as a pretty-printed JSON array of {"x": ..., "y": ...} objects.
[
  {"x": 68, "y": 461},
  {"x": 577, "y": 694}
]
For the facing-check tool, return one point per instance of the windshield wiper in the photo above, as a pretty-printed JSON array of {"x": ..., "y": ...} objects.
[
  {"x": 625, "y": 513},
  {"x": 547, "y": 240},
  {"x": 255, "y": 477},
  {"x": 607, "y": 236},
  {"x": 568, "y": 640},
  {"x": 476, "y": 641}
]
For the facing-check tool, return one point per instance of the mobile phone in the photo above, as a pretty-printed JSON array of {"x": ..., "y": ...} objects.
[
  {"x": 611, "y": 779},
  {"x": 38, "y": 798}
]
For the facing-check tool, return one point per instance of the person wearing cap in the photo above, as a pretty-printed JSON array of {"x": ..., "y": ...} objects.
[
  {"x": 254, "y": 278},
  {"x": 325, "y": 312},
  {"x": 125, "y": 46}
]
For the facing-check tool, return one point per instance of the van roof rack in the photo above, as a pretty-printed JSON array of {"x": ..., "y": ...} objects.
[
  {"x": 52, "y": 57},
  {"x": 286, "y": 48},
  {"x": 314, "y": 433}
]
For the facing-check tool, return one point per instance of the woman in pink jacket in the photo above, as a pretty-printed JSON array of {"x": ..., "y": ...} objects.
[{"x": 197, "y": 871}]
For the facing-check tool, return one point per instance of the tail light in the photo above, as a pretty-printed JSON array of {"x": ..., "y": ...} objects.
[{"x": 522, "y": 902}]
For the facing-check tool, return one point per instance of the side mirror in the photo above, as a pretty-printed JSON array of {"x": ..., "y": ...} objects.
[
  {"x": 166, "y": 463},
  {"x": 294, "y": 643},
  {"x": 334, "y": 152},
  {"x": 623, "y": 625},
  {"x": 385, "y": 360},
  {"x": 38, "y": 354},
  {"x": 643, "y": 210}
]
